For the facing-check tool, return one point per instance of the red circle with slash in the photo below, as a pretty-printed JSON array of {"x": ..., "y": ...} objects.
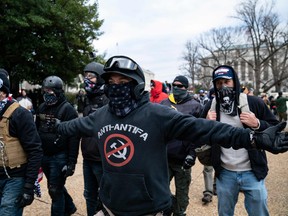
[{"x": 128, "y": 144}]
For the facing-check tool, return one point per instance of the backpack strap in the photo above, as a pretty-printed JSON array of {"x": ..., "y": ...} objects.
[
  {"x": 213, "y": 105},
  {"x": 243, "y": 103}
]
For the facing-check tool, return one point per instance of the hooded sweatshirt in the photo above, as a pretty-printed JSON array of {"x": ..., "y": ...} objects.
[
  {"x": 240, "y": 160},
  {"x": 133, "y": 150},
  {"x": 156, "y": 93}
]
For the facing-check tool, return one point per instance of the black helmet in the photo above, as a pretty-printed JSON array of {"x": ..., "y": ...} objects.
[
  {"x": 127, "y": 67},
  {"x": 53, "y": 82},
  {"x": 95, "y": 68}
]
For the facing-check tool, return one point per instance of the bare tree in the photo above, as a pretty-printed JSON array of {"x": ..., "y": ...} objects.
[
  {"x": 277, "y": 48},
  {"x": 256, "y": 19},
  {"x": 191, "y": 58},
  {"x": 217, "y": 47}
]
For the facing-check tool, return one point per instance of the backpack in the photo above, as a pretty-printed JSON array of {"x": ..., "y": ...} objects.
[{"x": 204, "y": 152}]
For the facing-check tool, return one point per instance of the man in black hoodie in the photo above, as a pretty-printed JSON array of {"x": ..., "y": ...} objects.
[
  {"x": 238, "y": 169},
  {"x": 132, "y": 134},
  {"x": 92, "y": 166},
  {"x": 181, "y": 154}
]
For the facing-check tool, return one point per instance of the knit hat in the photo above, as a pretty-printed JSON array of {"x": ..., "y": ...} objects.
[
  {"x": 4, "y": 83},
  {"x": 183, "y": 80}
]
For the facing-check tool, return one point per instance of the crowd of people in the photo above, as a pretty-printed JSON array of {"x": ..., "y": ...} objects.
[{"x": 135, "y": 142}]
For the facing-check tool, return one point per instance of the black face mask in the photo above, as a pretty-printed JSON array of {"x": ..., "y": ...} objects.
[
  {"x": 226, "y": 96},
  {"x": 179, "y": 94},
  {"x": 121, "y": 98},
  {"x": 50, "y": 98}
]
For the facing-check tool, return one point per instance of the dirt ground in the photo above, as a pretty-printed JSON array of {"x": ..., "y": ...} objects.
[{"x": 276, "y": 183}]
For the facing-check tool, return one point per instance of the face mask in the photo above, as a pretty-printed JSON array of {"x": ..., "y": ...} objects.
[
  {"x": 179, "y": 94},
  {"x": 3, "y": 103},
  {"x": 50, "y": 98},
  {"x": 227, "y": 100},
  {"x": 92, "y": 88},
  {"x": 89, "y": 85},
  {"x": 121, "y": 101}
]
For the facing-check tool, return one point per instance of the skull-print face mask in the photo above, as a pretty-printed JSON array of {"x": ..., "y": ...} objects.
[{"x": 227, "y": 100}]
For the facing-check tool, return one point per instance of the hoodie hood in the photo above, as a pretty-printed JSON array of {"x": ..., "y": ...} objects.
[
  {"x": 157, "y": 88},
  {"x": 237, "y": 87}
]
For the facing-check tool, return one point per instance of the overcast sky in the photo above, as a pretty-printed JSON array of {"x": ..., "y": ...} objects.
[{"x": 154, "y": 32}]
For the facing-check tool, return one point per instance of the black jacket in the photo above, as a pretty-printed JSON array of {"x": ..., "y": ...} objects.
[
  {"x": 89, "y": 145},
  {"x": 257, "y": 158},
  {"x": 22, "y": 126},
  {"x": 177, "y": 150}
]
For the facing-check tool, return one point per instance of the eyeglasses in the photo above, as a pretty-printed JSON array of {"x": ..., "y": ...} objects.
[
  {"x": 178, "y": 85},
  {"x": 121, "y": 62}
]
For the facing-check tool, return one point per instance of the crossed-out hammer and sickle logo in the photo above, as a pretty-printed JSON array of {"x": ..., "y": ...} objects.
[{"x": 118, "y": 150}]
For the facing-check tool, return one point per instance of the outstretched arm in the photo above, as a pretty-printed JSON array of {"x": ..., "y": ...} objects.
[{"x": 271, "y": 139}]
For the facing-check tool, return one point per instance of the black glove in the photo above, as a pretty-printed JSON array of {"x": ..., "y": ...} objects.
[
  {"x": 188, "y": 162},
  {"x": 68, "y": 170},
  {"x": 27, "y": 197},
  {"x": 271, "y": 139}
]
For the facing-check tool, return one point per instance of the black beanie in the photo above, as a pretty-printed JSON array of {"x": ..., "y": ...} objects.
[
  {"x": 183, "y": 80},
  {"x": 4, "y": 83}
]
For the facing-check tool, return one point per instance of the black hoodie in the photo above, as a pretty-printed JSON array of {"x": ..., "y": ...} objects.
[
  {"x": 266, "y": 118},
  {"x": 133, "y": 151}
]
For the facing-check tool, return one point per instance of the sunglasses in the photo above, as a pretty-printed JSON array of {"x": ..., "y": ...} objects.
[
  {"x": 178, "y": 85},
  {"x": 121, "y": 62}
]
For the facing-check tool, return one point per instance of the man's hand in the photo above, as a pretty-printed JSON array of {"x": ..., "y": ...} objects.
[
  {"x": 249, "y": 119},
  {"x": 27, "y": 197},
  {"x": 272, "y": 139},
  {"x": 211, "y": 115},
  {"x": 68, "y": 170},
  {"x": 188, "y": 162}
]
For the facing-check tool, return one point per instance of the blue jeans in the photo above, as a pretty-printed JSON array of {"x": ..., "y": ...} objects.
[
  {"x": 92, "y": 172},
  {"x": 10, "y": 190},
  {"x": 62, "y": 202},
  {"x": 230, "y": 183}
]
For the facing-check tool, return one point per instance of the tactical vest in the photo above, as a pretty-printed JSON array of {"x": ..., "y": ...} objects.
[{"x": 11, "y": 152}]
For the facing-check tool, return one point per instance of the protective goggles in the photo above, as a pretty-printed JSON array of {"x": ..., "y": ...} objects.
[{"x": 121, "y": 62}]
